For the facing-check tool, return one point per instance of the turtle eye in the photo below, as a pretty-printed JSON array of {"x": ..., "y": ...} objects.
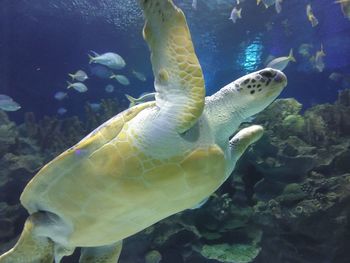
[
  {"x": 234, "y": 142},
  {"x": 268, "y": 74}
]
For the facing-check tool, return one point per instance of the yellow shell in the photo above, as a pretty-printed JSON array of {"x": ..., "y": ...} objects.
[{"x": 106, "y": 189}]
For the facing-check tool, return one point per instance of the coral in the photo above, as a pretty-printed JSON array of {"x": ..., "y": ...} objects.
[
  {"x": 108, "y": 109},
  {"x": 51, "y": 134},
  {"x": 8, "y": 133},
  {"x": 344, "y": 98},
  {"x": 237, "y": 253},
  {"x": 310, "y": 223},
  {"x": 293, "y": 124},
  {"x": 153, "y": 257},
  {"x": 327, "y": 123},
  {"x": 273, "y": 117}
]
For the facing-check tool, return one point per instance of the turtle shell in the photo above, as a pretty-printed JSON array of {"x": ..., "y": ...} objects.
[{"x": 105, "y": 189}]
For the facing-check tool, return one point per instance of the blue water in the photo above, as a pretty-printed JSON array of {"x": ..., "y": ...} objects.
[{"x": 43, "y": 41}]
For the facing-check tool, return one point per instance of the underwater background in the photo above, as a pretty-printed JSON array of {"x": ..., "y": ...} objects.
[{"x": 289, "y": 197}]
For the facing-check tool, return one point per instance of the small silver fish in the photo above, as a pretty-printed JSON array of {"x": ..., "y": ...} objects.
[
  {"x": 60, "y": 95},
  {"x": 109, "y": 88},
  {"x": 144, "y": 97},
  {"x": 100, "y": 71},
  {"x": 310, "y": 15},
  {"x": 62, "y": 111},
  {"x": 304, "y": 50},
  {"x": 139, "y": 75},
  {"x": 267, "y": 3},
  {"x": 282, "y": 62},
  {"x": 78, "y": 86},
  {"x": 95, "y": 106},
  {"x": 8, "y": 104},
  {"x": 121, "y": 79},
  {"x": 335, "y": 76},
  {"x": 109, "y": 59},
  {"x": 80, "y": 75},
  {"x": 319, "y": 63},
  {"x": 278, "y": 6},
  {"x": 235, "y": 14},
  {"x": 345, "y": 7},
  {"x": 194, "y": 4}
]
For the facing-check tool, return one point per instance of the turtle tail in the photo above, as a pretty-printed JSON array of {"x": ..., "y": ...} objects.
[{"x": 29, "y": 247}]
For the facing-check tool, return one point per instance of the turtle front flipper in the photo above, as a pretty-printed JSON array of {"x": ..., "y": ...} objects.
[
  {"x": 104, "y": 254},
  {"x": 241, "y": 141},
  {"x": 29, "y": 247},
  {"x": 178, "y": 75}
]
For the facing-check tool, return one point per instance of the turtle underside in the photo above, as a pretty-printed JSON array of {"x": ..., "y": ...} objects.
[{"x": 105, "y": 189}]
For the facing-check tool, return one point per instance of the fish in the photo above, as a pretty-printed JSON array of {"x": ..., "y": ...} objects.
[
  {"x": 342, "y": 79},
  {"x": 235, "y": 14},
  {"x": 139, "y": 75},
  {"x": 318, "y": 60},
  {"x": 109, "y": 88},
  {"x": 278, "y": 6},
  {"x": 121, "y": 79},
  {"x": 80, "y": 75},
  {"x": 267, "y": 3},
  {"x": 60, "y": 95},
  {"x": 336, "y": 76},
  {"x": 310, "y": 15},
  {"x": 345, "y": 7},
  {"x": 269, "y": 59},
  {"x": 62, "y": 111},
  {"x": 78, "y": 86},
  {"x": 282, "y": 62},
  {"x": 269, "y": 25},
  {"x": 109, "y": 59},
  {"x": 101, "y": 71},
  {"x": 144, "y": 97},
  {"x": 304, "y": 50},
  {"x": 94, "y": 106},
  {"x": 8, "y": 104},
  {"x": 194, "y": 4}
]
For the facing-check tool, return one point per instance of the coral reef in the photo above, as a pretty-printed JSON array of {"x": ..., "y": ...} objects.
[
  {"x": 51, "y": 134},
  {"x": 238, "y": 253},
  {"x": 8, "y": 133}
]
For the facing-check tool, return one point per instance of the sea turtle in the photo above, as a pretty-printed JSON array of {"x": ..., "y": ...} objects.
[{"x": 148, "y": 162}]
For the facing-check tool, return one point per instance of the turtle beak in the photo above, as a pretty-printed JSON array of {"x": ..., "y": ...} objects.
[{"x": 280, "y": 77}]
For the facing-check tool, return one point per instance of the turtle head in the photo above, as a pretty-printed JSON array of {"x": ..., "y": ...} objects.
[{"x": 258, "y": 89}]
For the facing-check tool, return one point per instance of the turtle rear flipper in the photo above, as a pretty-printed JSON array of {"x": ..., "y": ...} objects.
[
  {"x": 178, "y": 75},
  {"x": 104, "y": 254},
  {"x": 29, "y": 247}
]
